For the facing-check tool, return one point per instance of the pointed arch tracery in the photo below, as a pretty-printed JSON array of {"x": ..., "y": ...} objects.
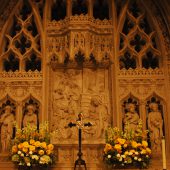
[
  {"x": 22, "y": 41},
  {"x": 138, "y": 47}
]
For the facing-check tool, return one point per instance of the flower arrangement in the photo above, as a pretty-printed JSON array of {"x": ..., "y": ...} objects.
[
  {"x": 127, "y": 149},
  {"x": 32, "y": 147}
]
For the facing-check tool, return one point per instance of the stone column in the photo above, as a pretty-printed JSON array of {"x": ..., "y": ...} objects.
[
  {"x": 90, "y": 8},
  {"x": 69, "y": 8},
  {"x": 142, "y": 111},
  {"x": 19, "y": 110}
]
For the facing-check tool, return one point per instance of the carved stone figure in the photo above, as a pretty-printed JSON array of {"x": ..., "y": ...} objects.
[
  {"x": 155, "y": 124},
  {"x": 131, "y": 118},
  {"x": 6, "y": 124},
  {"x": 98, "y": 116},
  {"x": 30, "y": 116},
  {"x": 60, "y": 102}
]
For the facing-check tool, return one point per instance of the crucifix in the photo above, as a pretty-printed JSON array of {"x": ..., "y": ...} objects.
[{"x": 80, "y": 124}]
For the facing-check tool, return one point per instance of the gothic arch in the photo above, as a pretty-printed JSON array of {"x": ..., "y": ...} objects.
[
  {"x": 23, "y": 34},
  {"x": 138, "y": 35}
]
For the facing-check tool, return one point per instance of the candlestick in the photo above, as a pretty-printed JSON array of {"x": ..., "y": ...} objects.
[{"x": 163, "y": 153}]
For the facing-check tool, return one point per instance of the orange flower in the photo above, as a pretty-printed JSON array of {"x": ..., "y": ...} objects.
[
  {"x": 25, "y": 149},
  {"x": 32, "y": 148},
  {"x": 121, "y": 141},
  {"x": 14, "y": 149},
  {"x": 107, "y": 147},
  {"x": 50, "y": 147},
  {"x": 20, "y": 146},
  {"x": 44, "y": 145},
  {"x": 48, "y": 152},
  {"x": 118, "y": 147},
  {"x": 32, "y": 141},
  {"x": 37, "y": 144},
  {"x": 41, "y": 152}
]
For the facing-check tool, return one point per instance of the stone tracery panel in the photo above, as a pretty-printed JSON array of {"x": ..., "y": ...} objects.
[
  {"x": 138, "y": 39},
  {"x": 22, "y": 41}
]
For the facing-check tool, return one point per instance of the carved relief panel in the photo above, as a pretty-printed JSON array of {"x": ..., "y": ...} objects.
[{"x": 74, "y": 91}]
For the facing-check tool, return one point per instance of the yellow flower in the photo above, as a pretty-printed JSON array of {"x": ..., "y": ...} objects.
[
  {"x": 126, "y": 153},
  {"x": 139, "y": 144},
  {"x": 132, "y": 150},
  {"x": 50, "y": 147},
  {"x": 125, "y": 145},
  {"x": 107, "y": 148},
  {"x": 44, "y": 145},
  {"x": 121, "y": 141},
  {"x": 41, "y": 152},
  {"x": 20, "y": 146},
  {"x": 148, "y": 150},
  {"x": 32, "y": 141},
  {"x": 48, "y": 152},
  {"x": 144, "y": 143},
  {"x": 143, "y": 151},
  {"x": 32, "y": 148},
  {"x": 37, "y": 144},
  {"x": 118, "y": 147},
  {"x": 25, "y": 149},
  {"x": 25, "y": 144},
  {"x": 14, "y": 149},
  {"x": 134, "y": 144}
]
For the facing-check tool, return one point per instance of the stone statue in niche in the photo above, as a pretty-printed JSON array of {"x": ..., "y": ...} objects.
[
  {"x": 6, "y": 124},
  {"x": 155, "y": 125},
  {"x": 30, "y": 116},
  {"x": 98, "y": 116},
  {"x": 131, "y": 118}
]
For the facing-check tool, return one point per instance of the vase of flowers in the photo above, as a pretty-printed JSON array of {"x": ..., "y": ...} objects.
[
  {"x": 31, "y": 148},
  {"x": 127, "y": 149}
]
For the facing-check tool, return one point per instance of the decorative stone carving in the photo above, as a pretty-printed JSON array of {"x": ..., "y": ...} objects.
[
  {"x": 62, "y": 26},
  {"x": 141, "y": 72},
  {"x": 36, "y": 75},
  {"x": 155, "y": 125},
  {"x": 6, "y": 125},
  {"x": 80, "y": 90}
]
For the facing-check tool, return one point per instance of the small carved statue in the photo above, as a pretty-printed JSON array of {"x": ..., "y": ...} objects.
[
  {"x": 98, "y": 115},
  {"x": 131, "y": 118},
  {"x": 6, "y": 124},
  {"x": 30, "y": 116},
  {"x": 155, "y": 124}
]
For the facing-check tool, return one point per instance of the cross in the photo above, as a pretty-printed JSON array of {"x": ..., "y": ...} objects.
[{"x": 79, "y": 123}]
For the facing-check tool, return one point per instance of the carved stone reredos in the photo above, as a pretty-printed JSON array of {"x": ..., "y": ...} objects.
[{"x": 80, "y": 34}]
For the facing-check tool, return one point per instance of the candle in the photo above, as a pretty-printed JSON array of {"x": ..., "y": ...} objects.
[{"x": 163, "y": 153}]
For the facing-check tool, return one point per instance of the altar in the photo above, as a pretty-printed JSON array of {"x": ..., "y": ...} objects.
[{"x": 109, "y": 60}]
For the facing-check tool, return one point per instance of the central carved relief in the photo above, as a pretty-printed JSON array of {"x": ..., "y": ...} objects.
[{"x": 79, "y": 90}]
